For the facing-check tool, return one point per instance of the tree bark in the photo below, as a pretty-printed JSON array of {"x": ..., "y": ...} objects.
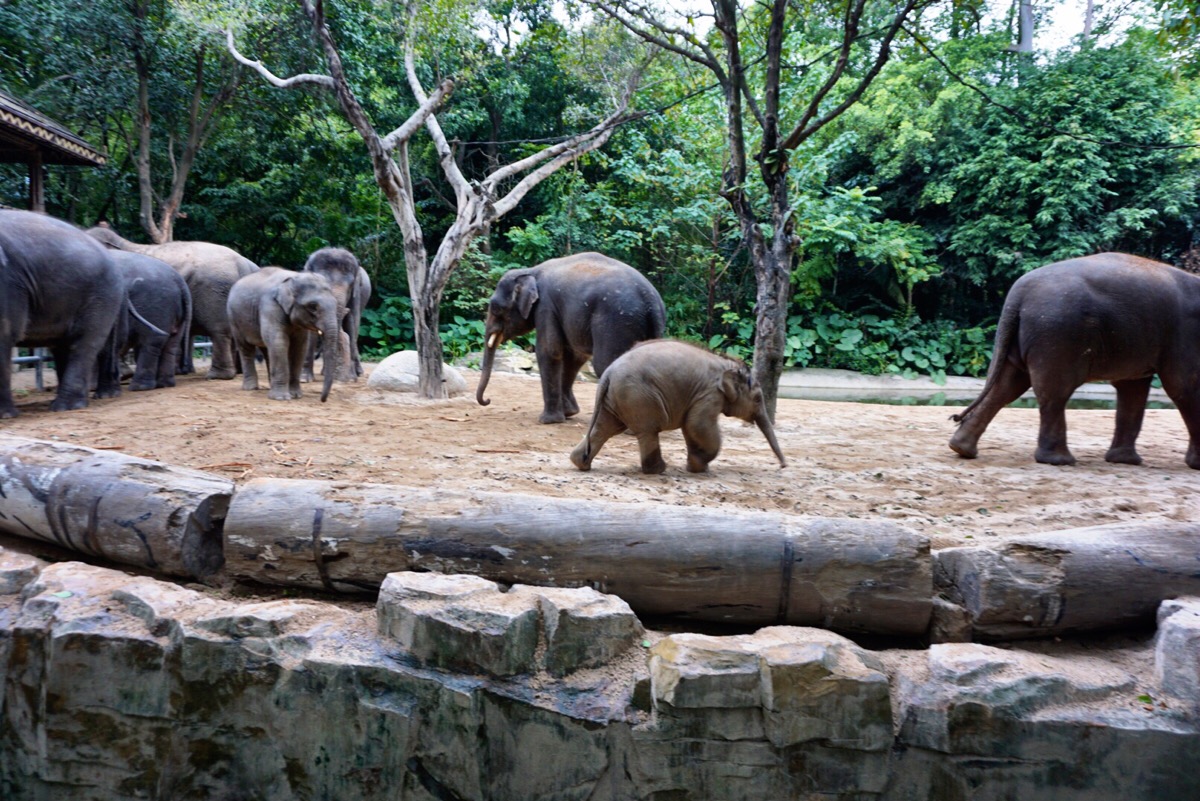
[
  {"x": 665, "y": 562},
  {"x": 127, "y": 510},
  {"x": 1106, "y": 577}
]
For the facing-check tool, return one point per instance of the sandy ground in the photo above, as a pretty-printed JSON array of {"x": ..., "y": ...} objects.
[{"x": 845, "y": 459}]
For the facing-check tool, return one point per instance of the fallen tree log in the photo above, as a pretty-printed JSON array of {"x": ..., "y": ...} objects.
[
  {"x": 1076, "y": 580},
  {"x": 664, "y": 561},
  {"x": 121, "y": 508}
]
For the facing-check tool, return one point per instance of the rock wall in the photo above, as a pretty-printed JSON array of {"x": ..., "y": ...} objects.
[{"x": 120, "y": 687}]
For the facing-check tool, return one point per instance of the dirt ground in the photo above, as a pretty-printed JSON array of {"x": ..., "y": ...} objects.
[{"x": 845, "y": 459}]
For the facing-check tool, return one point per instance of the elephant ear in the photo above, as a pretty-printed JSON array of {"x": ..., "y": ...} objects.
[
  {"x": 285, "y": 295},
  {"x": 735, "y": 383},
  {"x": 526, "y": 295}
]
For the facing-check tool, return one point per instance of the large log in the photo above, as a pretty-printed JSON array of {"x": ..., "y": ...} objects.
[
  {"x": 127, "y": 510},
  {"x": 664, "y": 561},
  {"x": 1082, "y": 579}
]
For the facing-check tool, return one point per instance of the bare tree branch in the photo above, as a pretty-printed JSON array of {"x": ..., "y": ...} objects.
[{"x": 282, "y": 83}]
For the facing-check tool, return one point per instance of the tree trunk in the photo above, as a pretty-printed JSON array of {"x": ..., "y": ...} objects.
[
  {"x": 127, "y": 510},
  {"x": 1106, "y": 577},
  {"x": 695, "y": 564}
]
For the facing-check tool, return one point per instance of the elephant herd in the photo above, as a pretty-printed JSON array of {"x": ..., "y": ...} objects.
[{"x": 91, "y": 296}]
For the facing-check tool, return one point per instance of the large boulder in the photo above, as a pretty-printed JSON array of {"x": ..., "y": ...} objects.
[{"x": 400, "y": 372}]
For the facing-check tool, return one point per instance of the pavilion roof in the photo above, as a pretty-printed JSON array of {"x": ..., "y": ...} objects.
[{"x": 24, "y": 130}]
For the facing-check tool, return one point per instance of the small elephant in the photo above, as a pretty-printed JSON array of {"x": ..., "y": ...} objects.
[
  {"x": 1106, "y": 317},
  {"x": 583, "y": 306},
  {"x": 159, "y": 321},
  {"x": 210, "y": 271},
  {"x": 663, "y": 385},
  {"x": 276, "y": 309},
  {"x": 352, "y": 288},
  {"x": 59, "y": 289}
]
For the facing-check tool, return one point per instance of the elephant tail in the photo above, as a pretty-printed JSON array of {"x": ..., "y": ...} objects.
[{"x": 1006, "y": 335}]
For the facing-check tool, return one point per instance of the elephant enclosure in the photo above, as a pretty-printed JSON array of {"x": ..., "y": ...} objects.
[{"x": 844, "y": 459}]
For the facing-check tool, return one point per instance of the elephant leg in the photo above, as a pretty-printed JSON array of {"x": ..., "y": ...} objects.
[
  {"x": 165, "y": 375},
  {"x": 605, "y": 426},
  {"x": 146, "y": 372},
  {"x": 572, "y": 364},
  {"x": 310, "y": 356},
  {"x": 1010, "y": 383},
  {"x": 278, "y": 365},
  {"x": 75, "y": 376},
  {"x": 223, "y": 367},
  {"x": 550, "y": 365},
  {"x": 7, "y": 407},
  {"x": 250, "y": 370},
  {"x": 703, "y": 441},
  {"x": 651, "y": 452},
  {"x": 185, "y": 365},
  {"x": 1131, "y": 410},
  {"x": 1052, "y": 431},
  {"x": 1186, "y": 397},
  {"x": 297, "y": 347}
]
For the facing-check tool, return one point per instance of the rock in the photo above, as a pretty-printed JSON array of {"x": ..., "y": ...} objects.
[
  {"x": 466, "y": 622},
  {"x": 400, "y": 372},
  {"x": 17, "y": 570},
  {"x": 1177, "y": 650},
  {"x": 583, "y": 628}
]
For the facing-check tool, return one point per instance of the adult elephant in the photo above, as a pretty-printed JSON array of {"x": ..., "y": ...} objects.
[
  {"x": 583, "y": 306},
  {"x": 1107, "y": 317},
  {"x": 59, "y": 289},
  {"x": 159, "y": 318},
  {"x": 276, "y": 309},
  {"x": 352, "y": 289},
  {"x": 210, "y": 271}
]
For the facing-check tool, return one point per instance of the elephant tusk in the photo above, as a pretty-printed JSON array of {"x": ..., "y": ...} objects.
[{"x": 494, "y": 341}]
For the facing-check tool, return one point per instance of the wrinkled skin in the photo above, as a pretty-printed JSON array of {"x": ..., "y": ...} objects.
[
  {"x": 664, "y": 385},
  {"x": 161, "y": 297},
  {"x": 1107, "y": 317},
  {"x": 352, "y": 288},
  {"x": 582, "y": 306},
  {"x": 59, "y": 289},
  {"x": 210, "y": 271},
  {"x": 276, "y": 309}
]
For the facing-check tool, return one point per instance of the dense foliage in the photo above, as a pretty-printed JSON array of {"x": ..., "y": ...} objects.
[{"x": 962, "y": 167}]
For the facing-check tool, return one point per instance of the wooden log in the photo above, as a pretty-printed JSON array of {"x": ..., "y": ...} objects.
[
  {"x": 665, "y": 561},
  {"x": 1104, "y": 577},
  {"x": 121, "y": 508}
]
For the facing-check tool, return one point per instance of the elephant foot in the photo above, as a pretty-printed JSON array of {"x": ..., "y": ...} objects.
[
  {"x": 550, "y": 418},
  {"x": 8, "y": 412},
  {"x": 964, "y": 447},
  {"x": 220, "y": 373},
  {"x": 249, "y": 386},
  {"x": 68, "y": 404},
  {"x": 1193, "y": 457},
  {"x": 1059, "y": 458},
  {"x": 696, "y": 466},
  {"x": 107, "y": 393},
  {"x": 295, "y": 393},
  {"x": 140, "y": 386},
  {"x": 1122, "y": 456},
  {"x": 654, "y": 468},
  {"x": 306, "y": 377},
  {"x": 580, "y": 462},
  {"x": 279, "y": 395},
  {"x": 168, "y": 381}
]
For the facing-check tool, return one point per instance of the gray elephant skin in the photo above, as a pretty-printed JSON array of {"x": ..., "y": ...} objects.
[
  {"x": 60, "y": 289},
  {"x": 275, "y": 309},
  {"x": 582, "y": 306},
  {"x": 664, "y": 385},
  {"x": 159, "y": 319},
  {"x": 1107, "y": 317},
  {"x": 352, "y": 289},
  {"x": 210, "y": 271}
]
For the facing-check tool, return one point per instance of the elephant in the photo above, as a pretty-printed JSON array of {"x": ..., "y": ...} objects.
[
  {"x": 585, "y": 305},
  {"x": 159, "y": 319},
  {"x": 665, "y": 384},
  {"x": 275, "y": 309},
  {"x": 59, "y": 289},
  {"x": 352, "y": 288},
  {"x": 210, "y": 271},
  {"x": 1106, "y": 317}
]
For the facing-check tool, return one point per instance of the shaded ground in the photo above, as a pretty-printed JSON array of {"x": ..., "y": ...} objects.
[{"x": 845, "y": 459}]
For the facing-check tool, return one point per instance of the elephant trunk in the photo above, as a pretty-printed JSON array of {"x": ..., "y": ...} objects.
[
  {"x": 332, "y": 352},
  {"x": 489, "y": 357},
  {"x": 764, "y": 425}
]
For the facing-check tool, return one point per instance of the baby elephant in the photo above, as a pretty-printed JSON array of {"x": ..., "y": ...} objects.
[
  {"x": 276, "y": 309},
  {"x": 662, "y": 385}
]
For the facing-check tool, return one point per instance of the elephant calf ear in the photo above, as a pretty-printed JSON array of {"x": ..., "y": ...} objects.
[{"x": 285, "y": 295}]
